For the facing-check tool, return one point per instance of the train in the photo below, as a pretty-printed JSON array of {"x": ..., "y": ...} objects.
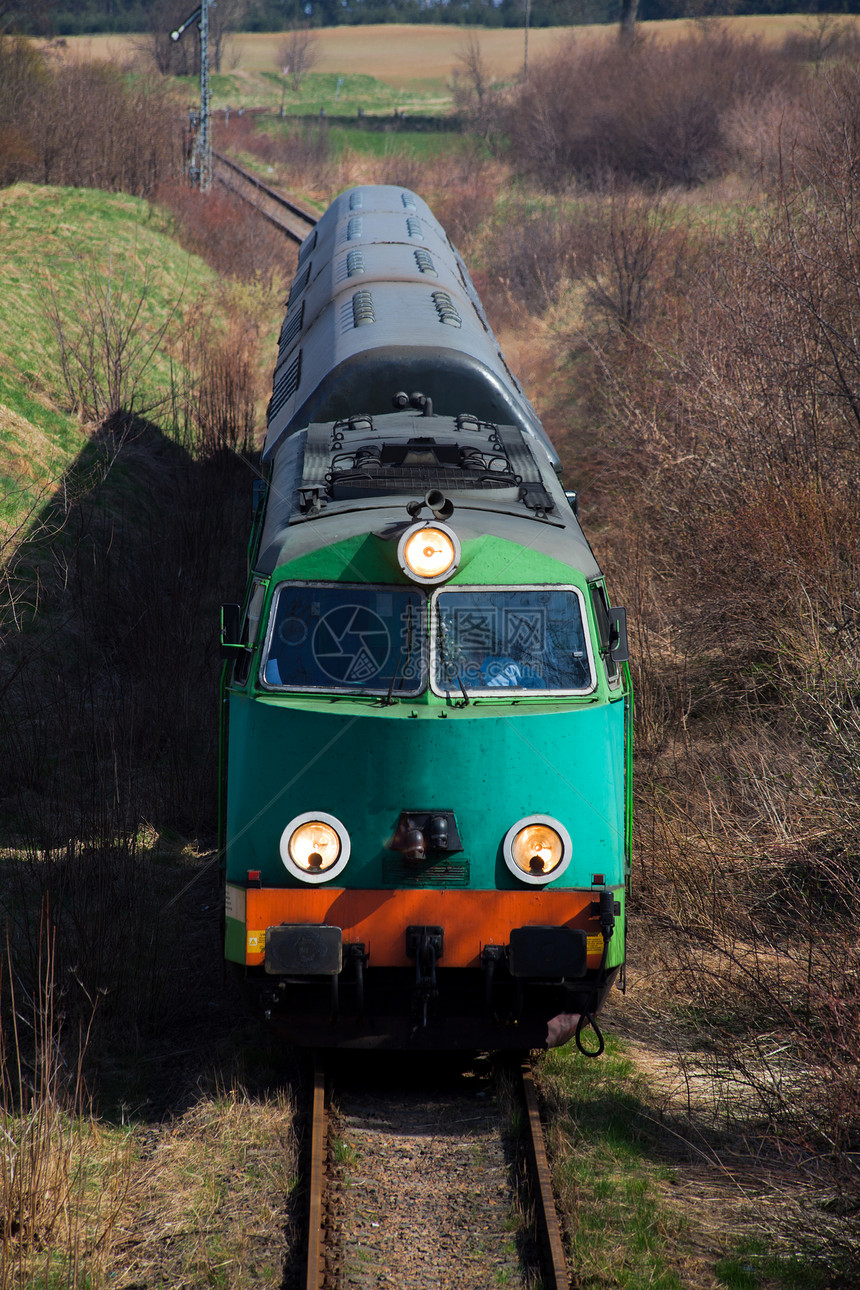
[{"x": 425, "y": 805}]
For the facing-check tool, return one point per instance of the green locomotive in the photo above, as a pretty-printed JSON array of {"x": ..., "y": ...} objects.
[{"x": 426, "y": 706}]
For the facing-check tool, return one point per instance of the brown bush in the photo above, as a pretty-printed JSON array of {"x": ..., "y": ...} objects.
[
  {"x": 227, "y": 233},
  {"x": 83, "y": 125},
  {"x": 731, "y": 435},
  {"x": 301, "y": 155},
  {"x": 650, "y": 112}
]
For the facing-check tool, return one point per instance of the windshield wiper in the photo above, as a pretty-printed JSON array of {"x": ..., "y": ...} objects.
[
  {"x": 465, "y": 701},
  {"x": 389, "y": 698}
]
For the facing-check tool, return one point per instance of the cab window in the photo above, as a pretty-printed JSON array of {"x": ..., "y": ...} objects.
[
  {"x": 529, "y": 640},
  {"x": 346, "y": 638}
]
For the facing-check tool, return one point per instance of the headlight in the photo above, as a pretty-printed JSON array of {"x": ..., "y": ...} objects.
[
  {"x": 315, "y": 847},
  {"x": 428, "y": 553},
  {"x": 537, "y": 849}
]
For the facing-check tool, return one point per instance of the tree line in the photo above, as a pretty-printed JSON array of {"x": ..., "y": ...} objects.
[{"x": 79, "y": 17}]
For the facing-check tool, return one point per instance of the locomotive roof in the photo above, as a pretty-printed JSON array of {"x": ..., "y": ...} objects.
[
  {"x": 340, "y": 479},
  {"x": 382, "y": 301}
]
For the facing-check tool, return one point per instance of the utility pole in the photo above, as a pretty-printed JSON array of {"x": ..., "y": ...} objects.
[{"x": 200, "y": 170}]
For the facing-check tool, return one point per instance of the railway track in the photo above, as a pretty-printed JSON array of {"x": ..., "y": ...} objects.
[
  {"x": 417, "y": 1189},
  {"x": 286, "y": 215}
]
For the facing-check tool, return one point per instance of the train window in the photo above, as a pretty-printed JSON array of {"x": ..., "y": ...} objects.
[
  {"x": 531, "y": 640},
  {"x": 250, "y": 628},
  {"x": 346, "y": 638},
  {"x": 601, "y": 614}
]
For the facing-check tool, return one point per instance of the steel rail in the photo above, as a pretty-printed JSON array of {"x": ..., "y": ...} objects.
[
  {"x": 556, "y": 1276},
  {"x": 296, "y": 223},
  {"x": 315, "y": 1264}
]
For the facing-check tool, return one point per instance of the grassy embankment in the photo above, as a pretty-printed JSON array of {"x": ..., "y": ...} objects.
[{"x": 153, "y": 1160}]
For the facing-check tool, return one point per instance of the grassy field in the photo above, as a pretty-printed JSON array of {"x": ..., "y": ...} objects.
[{"x": 422, "y": 56}]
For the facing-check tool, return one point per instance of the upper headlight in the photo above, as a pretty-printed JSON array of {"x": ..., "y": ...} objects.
[
  {"x": 428, "y": 552},
  {"x": 537, "y": 849},
  {"x": 315, "y": 847}
]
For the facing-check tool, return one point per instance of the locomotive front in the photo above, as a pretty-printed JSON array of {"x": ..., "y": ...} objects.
[{"x": 426, "y": 816}]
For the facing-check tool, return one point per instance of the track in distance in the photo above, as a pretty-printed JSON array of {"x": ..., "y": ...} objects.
[{"x": 286, "y": 215}]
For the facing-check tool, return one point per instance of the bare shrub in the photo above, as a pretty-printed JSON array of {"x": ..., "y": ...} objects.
[
  {"x": 218, "y": 400},
  {"x": 303, "y": 157},
  {"x": 227, "y": 233},
  {"x": 462, "y": 189},
  {"x": 476, "y": 93},
  {"x": 23, "y": 79},
  {"x": 83, "y": 125},
  {"x": 639, "y": 240},
  {"x": 105, "y": 347},
  {"x": 822, "y": 38},
  {"x": 535, "y": 253},
  {"x": 182, "y": 57},
  {"x": 647, "y": 111},
  {"x": 49, "y": 1197},
  {"x": 401, "y": 168},
  {"x": 298, "y": 54},
  {"x": 731, "y": 431}
]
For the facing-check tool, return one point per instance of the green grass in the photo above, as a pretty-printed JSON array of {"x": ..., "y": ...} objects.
[
  {"x": 750, "y": 1267},
  {"x": 610, "y": 1179},
  {"x": 63, "y": 245},
  {"x": 336, "y": 95}
]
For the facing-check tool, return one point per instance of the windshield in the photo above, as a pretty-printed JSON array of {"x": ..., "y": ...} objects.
[
  {"x": 524, "y": 639},
  {"x": 343, "y": 637}
]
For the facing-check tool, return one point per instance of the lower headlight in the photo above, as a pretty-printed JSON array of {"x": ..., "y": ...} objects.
[
  {"x": 315, "y": 847},
  {"x": 537, "y": 849}
]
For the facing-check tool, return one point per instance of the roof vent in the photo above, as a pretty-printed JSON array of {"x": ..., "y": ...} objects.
[
  {"x": 408, "y": 201},
  {"x": 355, "y": 262},
  {"x": 292, "y": 326},
  {"x": 424, "y": 260},
  {"x": 446, "y": 309},
  {"x": 286, "y": 385},
  {"x": 362, "y": 309},
  {"x": 414, "y": 227},
  {"x": 356, "y": 201},
  {"x": 299, "y": 283},
  {"x": 355, "y": 227},
  {"x": 307, "y": 246}
]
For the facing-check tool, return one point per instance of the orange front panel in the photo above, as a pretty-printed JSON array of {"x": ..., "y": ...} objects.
[{"x": 379, "y": 919}]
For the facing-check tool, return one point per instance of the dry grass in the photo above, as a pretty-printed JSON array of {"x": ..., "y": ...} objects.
[
  {"x": 402, "y": 54},
  {"x": 209, "y": 1196}
]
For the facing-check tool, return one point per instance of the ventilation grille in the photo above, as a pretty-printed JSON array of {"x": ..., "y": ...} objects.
[
  {"x": 356, "y": 201},
  {"x": 292, "y": 326},
  {"x": 301, "y": 281},
  {"x": 286, "y": 385},
  {"x": 362, "y": 309},
  {"x": 397, "y": 872},
  {"x": 424, "y": 260},
  {"x": 408, "y": 201},
  {"x": 419, "y": 464},
  {"x": 355, "y": 262},
  {"x": 355, "y": 227},
  {"x": 306, "y": 247},
  {"x": 446, "y": 309},
  {"x": 414, "y": 227}
]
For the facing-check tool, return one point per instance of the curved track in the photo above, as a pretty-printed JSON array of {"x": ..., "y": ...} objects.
[{"x": 286, "y": 215}]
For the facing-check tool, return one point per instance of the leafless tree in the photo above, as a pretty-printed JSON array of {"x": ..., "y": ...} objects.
[
  {"x": 182, "y": 57},
  {"x": 474, "y": 94},
  {"x": 298, "y": 55}
]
